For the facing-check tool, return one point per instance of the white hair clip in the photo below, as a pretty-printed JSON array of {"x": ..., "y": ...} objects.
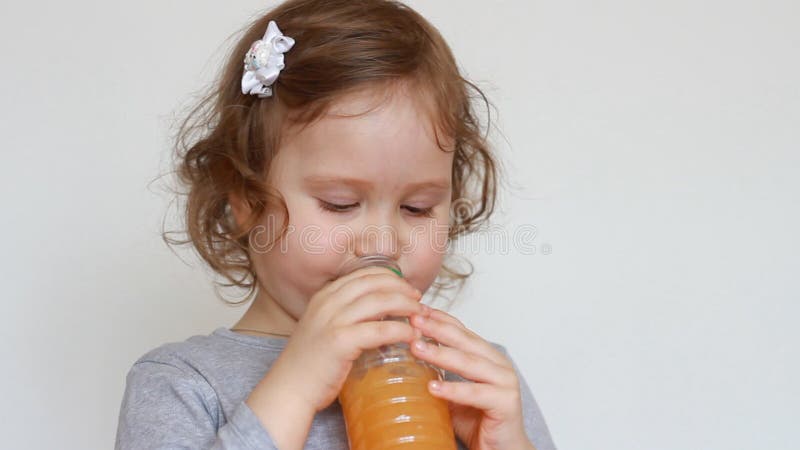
[{"x": 264, "y": 61}]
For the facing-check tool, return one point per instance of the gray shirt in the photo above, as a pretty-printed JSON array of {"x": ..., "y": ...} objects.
[{"x": 190, "y": 395}]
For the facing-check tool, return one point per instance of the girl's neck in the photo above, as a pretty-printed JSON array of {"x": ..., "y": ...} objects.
[{"x": 267, "y": 316}]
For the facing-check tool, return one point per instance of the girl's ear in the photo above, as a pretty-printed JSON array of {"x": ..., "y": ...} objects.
[{"x": 241, "y": 211}]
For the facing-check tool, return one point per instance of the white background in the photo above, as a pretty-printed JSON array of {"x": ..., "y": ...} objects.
[{"x": 653, "y": 145}]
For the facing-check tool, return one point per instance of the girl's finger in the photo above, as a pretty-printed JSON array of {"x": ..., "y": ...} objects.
[
  {"x": 453, "y": 335},
  {"x": 497, "y": 402},
  {"x": 352, "y": 340},
  {"x": 376, "y": 279},
  {"x": 375, "y": 306},
  {"x": 442, "y": 316},
  {"x": 488, "y": 350},
  {"x": 337, "y": 283},
  {"x": 468, "y": 365}
]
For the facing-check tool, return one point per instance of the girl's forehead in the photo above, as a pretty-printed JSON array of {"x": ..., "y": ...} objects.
[{"x": 371, "y": 129}]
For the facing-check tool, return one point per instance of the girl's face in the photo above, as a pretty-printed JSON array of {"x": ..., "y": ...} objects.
[{"x": 374, "y": 184}]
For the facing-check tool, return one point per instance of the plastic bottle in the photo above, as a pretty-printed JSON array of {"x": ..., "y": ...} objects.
[{"x": 385, "y": 399}]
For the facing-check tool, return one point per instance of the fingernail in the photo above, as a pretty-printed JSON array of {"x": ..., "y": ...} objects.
[
  {"x": 435, "y": 385},
  {"x": 420, "y": 345}
]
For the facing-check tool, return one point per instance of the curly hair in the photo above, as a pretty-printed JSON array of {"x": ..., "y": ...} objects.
[{"x": 226, "y": 143}]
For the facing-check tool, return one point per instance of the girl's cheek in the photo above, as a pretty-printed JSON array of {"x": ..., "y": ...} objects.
[
  {"x": 432, "y": 237},
  {"x": 426, "y": 256}
]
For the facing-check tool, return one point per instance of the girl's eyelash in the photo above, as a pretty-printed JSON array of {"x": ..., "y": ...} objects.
[
  {"x": 325, "y": 206},
  {"x": 332, "y": 207},
  {"x": 421, "y": 212}
]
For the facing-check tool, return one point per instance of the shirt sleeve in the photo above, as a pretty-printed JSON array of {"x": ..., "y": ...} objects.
[
  {"x": 166, "y": 407},
  {"x": 535, "y": 425}
]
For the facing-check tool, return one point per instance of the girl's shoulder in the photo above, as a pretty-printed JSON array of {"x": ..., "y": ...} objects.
[
  {"x": 220, "y": 367},
  {"x": 217, "y": 349}
]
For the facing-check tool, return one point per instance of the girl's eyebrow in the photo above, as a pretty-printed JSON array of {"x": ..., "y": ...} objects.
[{"x": 318, "y": 180}]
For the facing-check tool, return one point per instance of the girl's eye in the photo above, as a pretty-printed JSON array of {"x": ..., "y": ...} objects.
[
  {"x": 333, "y": 207},
  {"x": 325, "y": 206},
  {"x": 421, "y": 212}
]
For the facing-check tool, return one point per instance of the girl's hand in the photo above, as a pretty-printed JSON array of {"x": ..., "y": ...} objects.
[
  {"x": 486, "y": 413},
  {"x": 341, "y": 320}
]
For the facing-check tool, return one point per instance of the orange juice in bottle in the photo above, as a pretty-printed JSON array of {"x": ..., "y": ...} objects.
[{"x": 385, "y": 398}]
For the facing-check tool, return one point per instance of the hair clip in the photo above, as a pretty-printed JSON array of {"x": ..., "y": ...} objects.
[{"x": 264, "y": 61}]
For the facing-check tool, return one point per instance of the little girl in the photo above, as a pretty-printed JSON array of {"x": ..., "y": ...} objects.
[{"x": 347, "y": 131}]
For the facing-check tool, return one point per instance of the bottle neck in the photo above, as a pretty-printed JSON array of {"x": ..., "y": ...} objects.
[
  {"x": 373, "y": 260},
  {"x": 369, "y": 260}
]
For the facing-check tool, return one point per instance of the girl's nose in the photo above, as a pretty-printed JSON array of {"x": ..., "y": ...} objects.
[{"x": 377, "y": 240}]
